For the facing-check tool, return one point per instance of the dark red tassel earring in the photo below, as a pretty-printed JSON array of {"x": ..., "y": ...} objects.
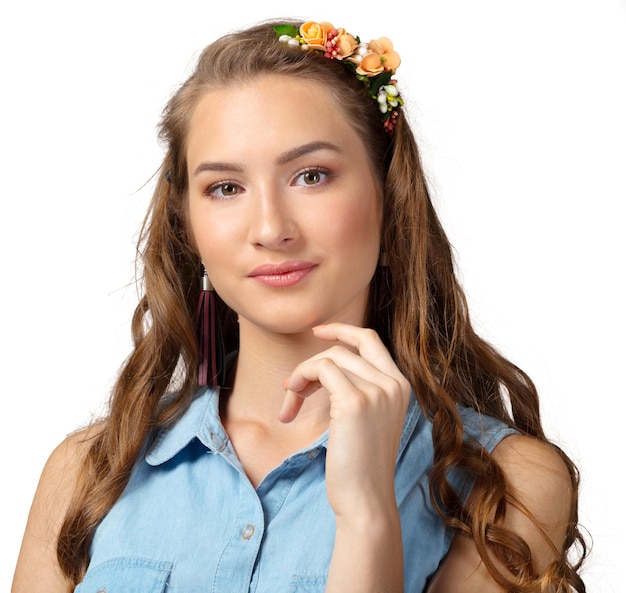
[
  {"x": 209, "y": 336},
  {"x": 380, "y": 314}
]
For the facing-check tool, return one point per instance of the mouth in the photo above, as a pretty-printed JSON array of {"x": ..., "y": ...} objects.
[{"x": 286, "y": 273}]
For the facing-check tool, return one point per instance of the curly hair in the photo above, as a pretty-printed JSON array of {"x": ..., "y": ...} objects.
[{"x": 416, "y": 305}]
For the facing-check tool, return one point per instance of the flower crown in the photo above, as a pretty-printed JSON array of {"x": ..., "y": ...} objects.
[{"x": 373, "y": 63}]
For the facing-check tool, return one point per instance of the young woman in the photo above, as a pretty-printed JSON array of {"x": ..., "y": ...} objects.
[{"x": 358, "y": 436}]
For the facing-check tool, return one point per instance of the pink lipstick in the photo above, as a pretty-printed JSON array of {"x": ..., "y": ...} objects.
[{"x": 284, "y": 274}]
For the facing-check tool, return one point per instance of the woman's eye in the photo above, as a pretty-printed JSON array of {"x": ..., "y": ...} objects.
[
  {"x": 311, "y": 177},
  {"x": 222, "y": 190}
]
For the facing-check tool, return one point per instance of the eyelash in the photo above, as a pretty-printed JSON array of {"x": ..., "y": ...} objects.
[
  {"x": 210, "y": 191},
  {"x": 324, "y": 174}
]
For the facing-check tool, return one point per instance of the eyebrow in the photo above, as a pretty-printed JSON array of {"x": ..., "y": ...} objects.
[
  {"x": 283, "y": 159},
  {"x": 299, "y": 151}
]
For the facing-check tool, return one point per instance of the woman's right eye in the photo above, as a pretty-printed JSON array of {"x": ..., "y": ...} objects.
[{"x": 222, "y": 190}]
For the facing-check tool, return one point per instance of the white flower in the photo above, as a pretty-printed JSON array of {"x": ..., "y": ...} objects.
[
  {"x": 391, "y": 89},
  {"x": 382, "y": 101}
]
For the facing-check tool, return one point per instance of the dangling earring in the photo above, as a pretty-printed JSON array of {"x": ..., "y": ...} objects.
[
  {"x": 381, "y": 306},
  {"x": 209, "y": 337}
]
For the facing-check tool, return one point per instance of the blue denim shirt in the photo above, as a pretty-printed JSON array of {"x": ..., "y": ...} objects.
[{"x": 190, "y": 521}]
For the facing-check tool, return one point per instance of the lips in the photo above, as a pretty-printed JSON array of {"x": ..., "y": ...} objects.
[{"x": 285, "y": 273}]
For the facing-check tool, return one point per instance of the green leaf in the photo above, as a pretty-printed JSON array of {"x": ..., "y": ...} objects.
[
  {"x": 286, "y": 30},
  {"x": 348, "y": 65},
  {"x": 382, "y": 79}
]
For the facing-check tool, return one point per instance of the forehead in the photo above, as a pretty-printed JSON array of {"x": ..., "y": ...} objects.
[{"x": 271, "y": 109}]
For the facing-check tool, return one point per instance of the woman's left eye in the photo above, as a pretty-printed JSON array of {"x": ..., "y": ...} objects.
[{"x": 309, "y": 177}]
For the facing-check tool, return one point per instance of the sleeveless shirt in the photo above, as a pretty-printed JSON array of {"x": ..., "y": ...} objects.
[{"x": 190, "y": 521}]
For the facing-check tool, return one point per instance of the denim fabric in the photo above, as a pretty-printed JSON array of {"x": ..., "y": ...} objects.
[{"x": 190, "y": 521}]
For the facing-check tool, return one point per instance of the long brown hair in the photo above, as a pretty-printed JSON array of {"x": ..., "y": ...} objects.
[{"x": 416, "y": 305}]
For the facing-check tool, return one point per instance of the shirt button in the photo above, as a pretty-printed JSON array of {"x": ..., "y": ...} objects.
[
  {"x": 313, "y": 454},
  {"x": 247, "y": 532}
]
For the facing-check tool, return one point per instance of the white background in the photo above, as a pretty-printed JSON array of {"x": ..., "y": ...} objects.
[{"x": 520, "y": 111}]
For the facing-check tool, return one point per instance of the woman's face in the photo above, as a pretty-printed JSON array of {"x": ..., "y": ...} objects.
[{"x": 283, "y": 204}]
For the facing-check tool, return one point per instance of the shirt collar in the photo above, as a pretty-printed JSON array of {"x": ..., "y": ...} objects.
[{"x": 202, "y": 421}]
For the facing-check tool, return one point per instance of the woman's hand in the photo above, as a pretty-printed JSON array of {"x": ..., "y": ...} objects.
[{"x": 368, "y": 402}]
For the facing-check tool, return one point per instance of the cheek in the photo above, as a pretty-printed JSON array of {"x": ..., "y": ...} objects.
[
  {"x": 210, "y": 233},
  {"x": 358, "y": 226},
  {"x": 208, "y": 246},
  {"x": 199, "y": 235}
]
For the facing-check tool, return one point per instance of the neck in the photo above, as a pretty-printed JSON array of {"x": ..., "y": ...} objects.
[{"x": 265, "y": 360}]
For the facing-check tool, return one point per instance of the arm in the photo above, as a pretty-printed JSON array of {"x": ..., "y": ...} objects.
[
  {"x": 368, "y": 402},
  {"x": 368, "y": 555},
  {"x": 37, "y": 569},
  {"x": 537, "y": 476}
]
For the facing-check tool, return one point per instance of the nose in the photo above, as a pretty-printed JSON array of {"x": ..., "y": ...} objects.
[{"x": 271, "y": 222}]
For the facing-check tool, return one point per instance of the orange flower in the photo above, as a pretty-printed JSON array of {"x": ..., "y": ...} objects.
[
  {"x": 345, "y": 44},
  {"x": 380, "y": 56},
  {"x": 315, "y": 34}
]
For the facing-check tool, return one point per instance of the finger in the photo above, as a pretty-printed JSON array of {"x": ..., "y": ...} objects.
[
  {"x": 347, "y": 360},
  {"x": 309, "y": 377},
  {"x": 339, "y": 378},
  {"x": 292, "y": 404},
  {"x": 364, "y": 340},
  {"x": 294, "y": 400}
]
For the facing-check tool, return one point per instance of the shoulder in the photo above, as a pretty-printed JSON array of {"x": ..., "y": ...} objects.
[
  {"x": 67, "y": 457},
  {"x": 536, "y": 472},
  {"x": 62, "y": 468},
  {"x": 538, "y": 509},
  {"x": 37, "y": 568},
  {"x": 538, "y": 480}
]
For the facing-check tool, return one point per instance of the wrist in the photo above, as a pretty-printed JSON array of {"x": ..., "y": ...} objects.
[
  {"x": 371, "y": 519},
  {"x": 367, "y": 555}
]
